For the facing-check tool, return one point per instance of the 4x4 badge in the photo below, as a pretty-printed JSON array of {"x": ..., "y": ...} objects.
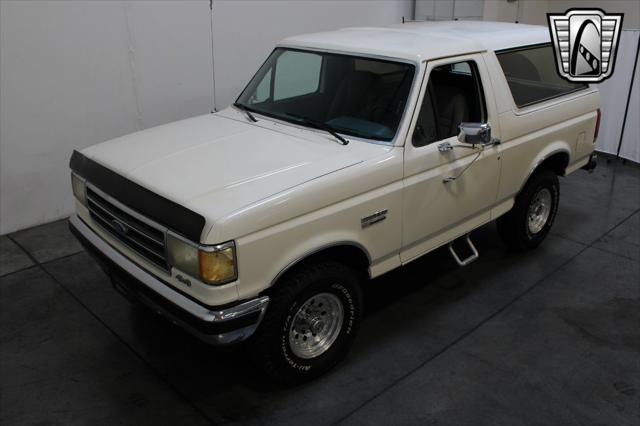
[{"x": 585, "y": 42}]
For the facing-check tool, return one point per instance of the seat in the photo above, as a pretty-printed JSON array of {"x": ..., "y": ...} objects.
[
  {"x": 426, "y": 126},
  {"x": 452, "y": 110},
  {"x": 352, "y": 95}
]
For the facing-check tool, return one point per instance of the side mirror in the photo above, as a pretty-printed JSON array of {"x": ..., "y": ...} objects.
[{"x": 474, "y": 133}]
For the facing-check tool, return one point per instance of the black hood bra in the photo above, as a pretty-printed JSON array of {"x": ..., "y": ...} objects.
[{"x": 166, "y": 212}]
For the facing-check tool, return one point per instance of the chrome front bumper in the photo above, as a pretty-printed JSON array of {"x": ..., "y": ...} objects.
[{"x": 215, "y": 325}]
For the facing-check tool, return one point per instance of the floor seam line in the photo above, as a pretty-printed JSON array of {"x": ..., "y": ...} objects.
[
  {"x": 571, "y": 240},
  {"x": 461, "y": 337},
  {"x": 66, "y": 256},
  {"x": 541, "y": 284},
  {"x": 480, "y": 324},
  {"x": 26, "y": 268},
  {"x": 615, "y": 254},
  {"x": 117, "y": 336},
  {"x": 629, "y": 216},
  {"x": 35, "y": 263}
]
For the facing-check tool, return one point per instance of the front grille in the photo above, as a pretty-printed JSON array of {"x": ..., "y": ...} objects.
[{"x": 139, "y": 234}]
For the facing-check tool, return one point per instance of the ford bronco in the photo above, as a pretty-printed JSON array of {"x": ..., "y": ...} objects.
[{"x": 348, "y": 154}]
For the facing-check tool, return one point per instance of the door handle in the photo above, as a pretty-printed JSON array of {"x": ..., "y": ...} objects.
[{"x": 445, "y": 147}]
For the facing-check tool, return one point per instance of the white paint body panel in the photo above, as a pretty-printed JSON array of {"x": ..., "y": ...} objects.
[
  {"x": 435, "y": 212},
  {"x": 418, "y": 41},
  {"x": 283, "y": 191}
]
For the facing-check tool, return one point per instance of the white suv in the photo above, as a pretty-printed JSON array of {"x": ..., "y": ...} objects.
[{"x": 348, "y": 154}]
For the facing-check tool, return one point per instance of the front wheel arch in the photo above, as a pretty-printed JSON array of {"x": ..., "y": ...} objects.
[{"x": 350, "y": 254}]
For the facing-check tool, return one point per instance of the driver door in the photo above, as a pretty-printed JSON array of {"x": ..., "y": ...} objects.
[{"x": 449, "y": 186}]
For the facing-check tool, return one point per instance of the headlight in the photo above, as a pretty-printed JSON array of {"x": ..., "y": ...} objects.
[
  {"x": 217, "y": 266},
  {"x": 79, "y": 188},
  {"x": 212, "y": 264}
]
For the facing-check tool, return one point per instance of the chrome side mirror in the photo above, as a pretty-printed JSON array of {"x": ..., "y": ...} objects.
[{"x": 475, "y": 133}]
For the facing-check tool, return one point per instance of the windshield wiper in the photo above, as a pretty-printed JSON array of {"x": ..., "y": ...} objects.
[
  {"x": 246, "y": 110},
  {"x": 319, "y": 125}
]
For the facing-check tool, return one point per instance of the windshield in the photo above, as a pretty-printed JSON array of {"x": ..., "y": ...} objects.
[{"x": 355, "y": 96}]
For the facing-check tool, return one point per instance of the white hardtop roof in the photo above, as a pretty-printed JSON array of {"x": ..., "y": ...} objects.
[{"x": 418, "y": 41}]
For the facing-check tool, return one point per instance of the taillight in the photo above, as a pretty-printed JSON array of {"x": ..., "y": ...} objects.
[{"x": 595, "y": 135}]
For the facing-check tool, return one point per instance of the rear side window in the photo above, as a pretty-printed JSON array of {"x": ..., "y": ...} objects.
[{"x": 532, "y": 75}]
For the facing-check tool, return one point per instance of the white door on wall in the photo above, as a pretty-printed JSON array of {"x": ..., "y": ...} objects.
[
  {"x": 614, "y": 93},
  {"x": 440, "y": 10}
]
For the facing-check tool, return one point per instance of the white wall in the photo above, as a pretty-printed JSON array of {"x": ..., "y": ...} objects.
[
  {"x": 614, "y": 93},
  {"x": 535, "y": 11},
  {"x": 76, "y": 73},
  {"x": 524, "y": 11},
  {"x": 244, "y": 32},
  {"x": 433, "y": 10},
  {"x": 630, "y": 8}
]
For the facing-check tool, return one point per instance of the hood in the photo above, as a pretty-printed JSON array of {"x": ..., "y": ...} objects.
[{"x": 218, "y": 163}]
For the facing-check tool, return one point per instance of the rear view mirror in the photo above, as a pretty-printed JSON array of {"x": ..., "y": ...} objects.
[{"x": 474, "y": 133}]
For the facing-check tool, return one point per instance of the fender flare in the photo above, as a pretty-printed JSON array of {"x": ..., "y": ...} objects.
[
  {"x": 305, "y": 255},
  {"x": 559, "y": 147}
]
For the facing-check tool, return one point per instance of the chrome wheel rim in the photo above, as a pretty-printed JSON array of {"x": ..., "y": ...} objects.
[
  {"x": 316, "y": 325},
  {"x": 539, "y": 211}
]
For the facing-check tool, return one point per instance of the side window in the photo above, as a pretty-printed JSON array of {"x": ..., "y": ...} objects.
[
  {"x": 297, "y": 74},
  {"x": 461, "y": 68},
  {"x": 532, "y": 75},
  {"x": 453, "y": 95}
]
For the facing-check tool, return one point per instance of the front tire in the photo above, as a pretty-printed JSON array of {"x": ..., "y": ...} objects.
[
  {"x": 527, "y": 224},
  {"x": 310, "y": 323}
]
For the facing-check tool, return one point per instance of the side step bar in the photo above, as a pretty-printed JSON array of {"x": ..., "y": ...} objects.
[{"x": 474, "y": 256}]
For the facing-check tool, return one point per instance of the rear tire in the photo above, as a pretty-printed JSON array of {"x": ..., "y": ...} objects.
[
  {"x": 527, "y": 224},
  {"x": 310, "y": 323}
]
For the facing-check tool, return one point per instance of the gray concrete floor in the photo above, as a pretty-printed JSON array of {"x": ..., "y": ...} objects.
[{"x": 547, "y": 337}]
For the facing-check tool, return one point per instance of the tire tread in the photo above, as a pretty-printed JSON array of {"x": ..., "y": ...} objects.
[
  {"x": 282, "y": 296},
  {"x": 512, "y": 225}
]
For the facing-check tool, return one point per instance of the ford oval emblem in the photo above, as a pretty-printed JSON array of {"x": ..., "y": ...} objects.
[{"x": 119, "y": 227}]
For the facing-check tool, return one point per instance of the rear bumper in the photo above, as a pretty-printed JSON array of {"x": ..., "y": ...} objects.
[{"x": 214, "y": 325}]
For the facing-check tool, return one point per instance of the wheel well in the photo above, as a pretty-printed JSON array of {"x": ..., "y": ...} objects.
[
  {"x": 558, "y": 162},
  {"x": 348, "y": 254}
]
